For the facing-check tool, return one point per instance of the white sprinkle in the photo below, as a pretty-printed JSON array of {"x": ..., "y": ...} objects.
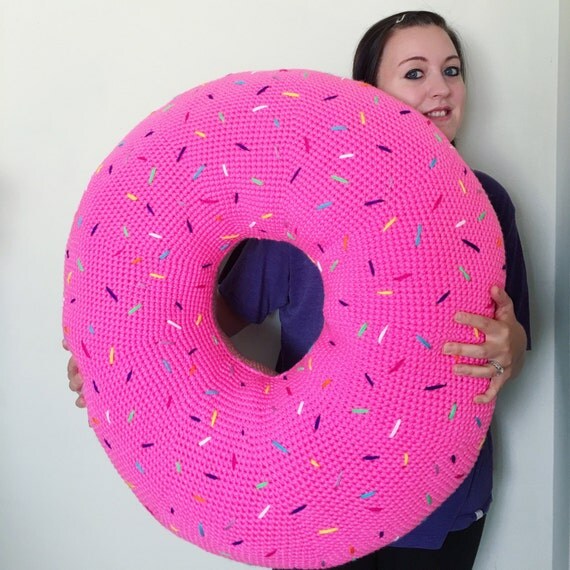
[
  {"x": 338, "y": 479},
  {"x": 396, "y": 428},
  {"x": 264, "y": 511},
  {"x": 276, "y": 152},
  {"x": 259, "y": 108},
  {"x": 252, "y": 224},
  {"x": 172, "y": 323},
  {"x": 300, "y": 408},
  {"x": 381, "y": 337},
  {"x": 479, "y": 514},
  {"x": 107, "y": 416},
  {"x": 225, "y": 169},
  {"x": 461, "y": 223},
  {"x": 350, "y": 155},
  {"x": 319, "y": 266},
  {"x": 155, "y": 236},
  {"x": 205, "y": 441}
]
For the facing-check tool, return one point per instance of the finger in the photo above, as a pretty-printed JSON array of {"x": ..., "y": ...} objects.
[
  {"x": 80, "y": 402},
  {"x": 72, "y": 368},
  {"x": 502, "y": 301},
  {"x": 480, "y": 322},
  {"x": 467, "y": 350},
  {"x": 76, "y": 383},
  {"x": 490, "y": 394},
  {"x": 476, "y": 371},
  {"x": 64, "y": 344}
]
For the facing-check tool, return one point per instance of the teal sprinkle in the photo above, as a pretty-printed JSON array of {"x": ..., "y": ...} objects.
[
  {"x": 465, "y": 274},
  {"x": 428, "y": 499},
  {"x": 376, "y": 99},
  {"x": 131, "y": 416},
  {"x": 198, "y": 172},
  {"x": 437, "y": 137},
  {"x": 482, "y": 216},
  {"x": 135, "y": 309},
  {"x": 257, "y": 181},
  {"x": 280, "y": 447},
  {"x": 201, "y": 529},
  {"x": 324, "y": 206},
  {"x": 276, "y": 123},
  {"x": 453, "y": 411},
  {"x": 368, "y": 495},
  {"x": 479, "y": 422},
  {"x": 80, "y": 265},
  {"x": 165, "y": 254},
  {"x": 126, "y": 231},
  {"x": 339, "y": 179},
  {"x": 339, "y": 128},
  {"x": 360, "y": 411},
  {"x": 167, "y": 366},
  {"x": 291, "y": 236},
  {"x": 221, "y": 117},
  {"x": 423, "y": 341},
  {"x": 152, "y": 175},
  {"x": 262, "y": 485},
  {"x": 139, "y": 467},
  {"x": 419, "y": 235},
  {"x": 334, "y": 265},
  {"x": 362, "y": 330},
  {"x": 433, "y": 163},
  {"x": 91, "y": 329},
  {"x": 178, "y": 467}
]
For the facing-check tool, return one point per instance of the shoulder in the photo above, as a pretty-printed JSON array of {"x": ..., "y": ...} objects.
[{"x": 498, "y": 196}]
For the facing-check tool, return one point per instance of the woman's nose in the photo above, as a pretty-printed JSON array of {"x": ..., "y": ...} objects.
[{"x": 438, "y": 86}]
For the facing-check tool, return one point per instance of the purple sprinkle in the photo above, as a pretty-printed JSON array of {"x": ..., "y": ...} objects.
[
  {"x": 317, "y": 423},
  {"x": 321, "y": 248},
  {"x": 73, "y": 300},
  {"x": 171, "y": 510},
  {"x": 129, "y": 375},
  {"x": 189, "y": 226},
  {"x": 242, "y": 146},
  {"x": 384, "y": 148},
  {"x": 110, "y": 169},
  {"x": 343, "y": 303},
  {"x": 435, "y": 387},
  {"x": 471, "y": 245},
  {"x": 95, "y": 387},
  {"x": 67, "y": 253},
  {"x": 330, "y": 98},
  {"x": 148, "y": 134},
  {"x": 206, "y": 265},
  {"x": 178, "y": 305},
  {"x": 371, "y": 265},
  {"x": 237, "y": 542},
  {"x": 181, "y": 153},
  {"x": 210, "y": 96},
  {"x": 211, "y": 476},
  {"x": 115, "y": 298},
  {"x": 369, "y": 380},
  {"x": 298, "y": 510},
  {"x": 443, "y": 297},
  {"x": 405, "y": 112},
  {"x": 373, "y": 202},
  {"x": 381, "y": 534},
  {"x": 195, "y": 419},
  {"x": 332, "y": 343},
  {"x": 371, "y": 457},
  {"x": 149, "y": 208},
  {"x": 263, "y": 89},
  {"x": 296, "y": 174},
  {"x": 191, "y": 352},
  {"x": 236, "y": 198},
  {"x": 107, "y": 444},
  {"x": 94, "y": 229},
  {"x": 147, "y": 445},
  {"x": 453, "y": 459}
]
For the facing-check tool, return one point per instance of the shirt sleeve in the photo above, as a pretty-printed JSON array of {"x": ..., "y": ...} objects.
[
  {"x": 516, "y": 284},
  {"x": 255, "y": 282}
]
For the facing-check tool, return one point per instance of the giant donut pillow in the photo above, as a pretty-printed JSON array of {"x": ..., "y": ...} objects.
[{"x": 371, "y": 431}]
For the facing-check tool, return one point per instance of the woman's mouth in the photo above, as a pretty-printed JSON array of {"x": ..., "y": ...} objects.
[{"x": 438, "y": 113}]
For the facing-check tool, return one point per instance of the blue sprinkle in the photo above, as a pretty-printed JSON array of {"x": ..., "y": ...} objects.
[
  {"x": 212, "y": 392},
  {"x": 433, "y": 163},
  {"x": 198, "y": 172},
  {"x": 91, "y": 329},
  {"x": 479, "y": 423},
  {"x": 139, "y": 467},
  {"x": 339, "y": 128},
  {"x": 368, "y": 495},
  {"x": 423, "y": 341},
  {"x": 280, "y": 447},
  {"x": 165, "y": 254},
  {"x": 201, "y": 530},
  {"x": 167, "y": 366},
  {"x": 79, "y": 221},
  {"x": 324, "y": 206},
  {"x": 276, "y": 123},
  {"x": 419, "y": 235},
  {"x": 240, "y": 82}
]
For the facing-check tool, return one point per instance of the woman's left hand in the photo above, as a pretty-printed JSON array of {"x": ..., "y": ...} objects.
[{"x": 505, "y": 343}]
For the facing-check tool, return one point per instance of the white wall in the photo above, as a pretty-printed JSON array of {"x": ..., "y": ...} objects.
[{"x": 76, "y": 76}]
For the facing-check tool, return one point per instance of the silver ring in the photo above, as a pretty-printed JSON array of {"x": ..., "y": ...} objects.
[{"x": 497, "y": 366}]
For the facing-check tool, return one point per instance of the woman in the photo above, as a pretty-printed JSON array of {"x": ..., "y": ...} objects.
[{"x": 415, "y": 57}]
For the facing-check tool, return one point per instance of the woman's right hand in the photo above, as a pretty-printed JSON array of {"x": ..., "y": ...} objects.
[{"x": 75, "y": 379}]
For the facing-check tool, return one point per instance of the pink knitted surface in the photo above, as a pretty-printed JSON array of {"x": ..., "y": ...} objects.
[{"x": 371, "y": 432}]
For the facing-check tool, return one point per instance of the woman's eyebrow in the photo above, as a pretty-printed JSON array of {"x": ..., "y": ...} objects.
[{"x": 421, "y": 58}]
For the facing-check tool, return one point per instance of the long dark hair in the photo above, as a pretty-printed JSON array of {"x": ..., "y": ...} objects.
[{"x": 371, "y": 46}]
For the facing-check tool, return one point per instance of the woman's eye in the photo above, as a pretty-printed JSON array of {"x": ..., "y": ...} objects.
[
  {"x": 414, "y": 74},
  {"x": 452, "y": 71}
]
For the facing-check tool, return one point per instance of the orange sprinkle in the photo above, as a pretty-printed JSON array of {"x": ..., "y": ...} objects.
[
  {"x": 192, "y": 370},
  {"x": 99, "y": 168},
  {"x": 345, "y": 243},
  {"x": 500, "y": 243},
  {"x": 69, "y": 277},
  {"x": 96, "y": 421},
  {"x": 132, "y": 197},
  {"x": 136, "y": 260},
  {"x": 328, "y": 531},
  {"x": 352, "y": 550},
  {"x": 476, "y": 332},
  {"x": 198, "y": 320},
  {"x": 112, "y": 356},
  {"x": 214, "y": 417},
  {"x": 326, "y": 382},
  {"x": 173, "y": 528},
  {"x": 390, "y": 223},
  {"x": 200, "y": 134},
  {"x": 289, "y": 94},
  {"x": 406, "y": 459},
  {"x": 310, "y": 363},
  {"x": 266, "y": 216},
  {"x": 314, "y": 463},
  {"x": 157, "y": 276},
  {"x": 267, "y": 388},
  {"x": 218, "y": 218},
  {"x": 199, "y": 499},
  {"x": 233, "y": 236},
  {"x": 384, "y": 292},
  {"x": 463, "y": 187},
  {"x": 362, "y": 118},
  {"x": 130, "y": 485}
]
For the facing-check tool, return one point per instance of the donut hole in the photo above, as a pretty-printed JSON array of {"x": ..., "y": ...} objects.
[{"x": 282, "y": 291}]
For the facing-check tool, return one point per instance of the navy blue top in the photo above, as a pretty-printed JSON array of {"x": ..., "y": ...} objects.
[{"x": 264, "y": 276}]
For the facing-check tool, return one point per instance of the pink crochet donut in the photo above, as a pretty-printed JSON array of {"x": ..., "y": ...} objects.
[{"x": 371, "y": 431}]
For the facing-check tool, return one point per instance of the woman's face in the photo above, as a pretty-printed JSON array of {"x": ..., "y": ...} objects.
[{"x": 420, "y": 66}]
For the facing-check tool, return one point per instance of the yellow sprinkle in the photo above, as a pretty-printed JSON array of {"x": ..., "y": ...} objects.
[
  {"x": 463, "y": 187},
  {"x": 345, "y": 243},
  {"x": 130, "y": 485},
  {"x": 157, "y": 276},
  {"x": 328, "y": 531},
  {"x": 481, "y": 443},
  {"x": 198, "y": 320},
  {"x": 192, "y": 370},
  {"x": 384, "y": 292},
  {"x": 476, "y": 332},
  {"x": 112, "y": 356},
  {"x": 314, "y": 463},
  {"x": 266, "y": 216},
  {"x": 233, "y": 236},
  {"x": 362, "y": 118},
  {"x": 69, "y": 277},
  {"x": 173, "y": 528},
  {"x": 200, "y": 134},
  {"x": 406, "y": 459},
  {"x": 132, "y": 197},
  {"x": 267, "y": 388},
  {"x": 390, "y": 223},
  {"x": 214, "y": 417},
  {"x": 136, "y": 260},
  {"x": 326, "y": 382},
  {"x": 199, "y": 499},
  {"x": 289, "y": 94},
  {"x": 99, "y": 168}
]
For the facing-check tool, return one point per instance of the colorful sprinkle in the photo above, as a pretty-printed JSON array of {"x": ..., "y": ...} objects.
[
  {"x": 423, "y": 341},
  {"x": 324, "y": 206},
  {"x": 339, "y": 179},
  {"x": 482, "y": 216},
  {"x": 465, "y": 274},
  {"x": 360, "y": 411},
  {"x": 453, "y": 411},
  {"x": 135, "y": 309},
  {"x": 198, "y": 172},
  {"x": 298, "y": 510},
  {"x": 264, "y": 512},
  {"x": 443, "y": 297},
  {"x": 390, "y": 224},
  {"x": 362, "y": 330},
  {"x": 419, "y": 236},
  {"x": 152, "y": 175},
  {"x": 395, "y": 429},
  {"x": 257, "y": 181},
  {"x": 368, "y": 495},
  {"x": 280, "y": 447},
  {"x": 463, "y": 189},
  {"x": 328, "y": 531}
]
